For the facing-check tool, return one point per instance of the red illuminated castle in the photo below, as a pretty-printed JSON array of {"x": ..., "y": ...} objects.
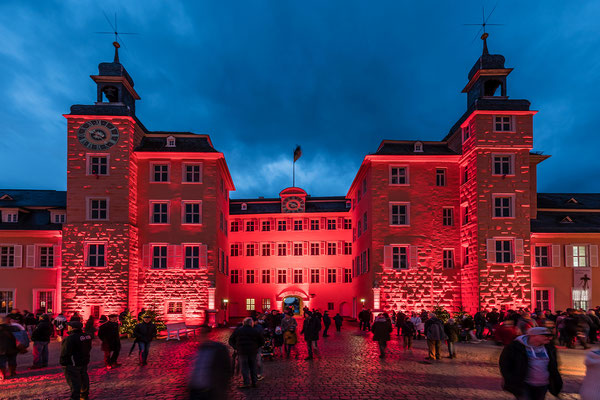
[{"x": 148, "y": 223}]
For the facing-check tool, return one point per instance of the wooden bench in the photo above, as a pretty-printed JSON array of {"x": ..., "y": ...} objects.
[{"x": 174, "y": 330}]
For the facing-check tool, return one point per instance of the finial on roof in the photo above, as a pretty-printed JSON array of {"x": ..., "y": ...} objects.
[
  {"x": 484, "y": 38},
  {"x": 117, "y": 45}
]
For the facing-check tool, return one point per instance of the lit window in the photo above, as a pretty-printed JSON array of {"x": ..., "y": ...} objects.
[
  {"x": 314, "y": 275},
  {"x": 581, "y": 299},
  {"x": 192, "y": 212},
  {"x": 503, "y": 251},
  {"x": 331, "y": 248},
  {"x": 192, "y": 173},
  {"x": 160, "y": 212},
  {"x": 281, "y": 249},
  {"x": 235, "y": 276},
  {"x": 7, "y": 256},
  {"x": 159, "y": 257},
  {"x": 400, "y": 257},
  {"x": 503, "y": 123},
  {"x": 281, "y": 276},
  {"x": 250, "y": 276},
  {"x": 503, "y": 165},
  {"x": 281, "y": 226},
  {"x": 44, "y": 301},
  {"x": 440, "y": 177},
  {"x": 448, "y": 216},
  {"x": 46, "y": 256},
  {"x": 6, "y": 301},
  {"x": 249, "y": 304},
  {"x": 266, "y": 276},
  {"x": 503, "y": 207},
  {"x": 98, "y": 209},
  {"x": 192, "y": 257},
  {"x": 399, "y": 176},
  {"x": 314, "y": 224},
  {"x": 266, "y": 249},
  {"x": 399, "y": 214},
  {"x": 98, "y": 165},
  {"x": 160, "y": 173},
  {"x": 297, "y": 276},
  {"x": 542, "y": 257},
  {"x": 331, "y": 275},
  {"x": 266, "y": 304},
  {"x": 96, "y": 255},
  {"x": 579, "y": 256},
  {"x": 448, "y": 259},
  {"x": 175, "y": 307}
]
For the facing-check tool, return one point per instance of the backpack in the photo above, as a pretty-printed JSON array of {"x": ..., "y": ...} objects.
[{"x": 22, "y": 340}]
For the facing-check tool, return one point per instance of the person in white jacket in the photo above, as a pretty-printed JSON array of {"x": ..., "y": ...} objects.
[{"x": 590, "y": 387}]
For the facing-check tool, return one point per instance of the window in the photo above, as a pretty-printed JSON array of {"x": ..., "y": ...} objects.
[
  {"x": 347, "y": 248},
  {"x": 250, "y": 276},
  {"x": 175, "y": 307},
  {"x": 298, "y": 225},
  {"x": 297, "y": 249},
  {"x": 222, "y": 223},
  {"x": 400, "y": 257},
  {"x": 440, "y": 177},
  {"x": 314, "y": 275},
  {"x": 297, "y": 276},
  {"x": 170, "y": 141},
  {"x": 281, "y": 249},
  {"x": 314, "y": 224},
  {"x": 448, "y": 259},
  {"x": 364, "y": 186},
  {"x": 160, "y": 212},
  {"x": 160, "y": 173},
  {"x": 235, "y": 249},
  {"x": 347, "y": 223},
  {"x": 466, "y": 133},
  {"x": 281, "y": 226},
  {"x": 95, "y": 255},
  {"x": 266, "y": 249},
  {"x": 579, "y": 256},
  {"x": 266, "y": 304},
  {"x": 365, "y": 222},
  {"x": 418, "y": 147},
  {"x": 359, "y": 228},
  {"x": 249, "y": 304},
  {"x": 465, "y": 255},
  {"x": 465, "y": 215},
  {"x": 192, "y": 212},
  {"x": 331, "y": 248},
  {"x": 6, "y": 301},
  {"x": 98, "y": 209},
  {"x": 192, "y": 173},
  {"x": 192, "y": 257},
  {"x": 503, "y": 207},
  {"x": 331, "y": 224},
  {"x": 159, "y": 257},
  {"x": 98, "y": 165},
  {"x": 10, "y": 216},
  {"x": 347, "y": 275},
  {"x": 43, "y": 300},
  {"x": 542, "y": 258},
  {"x": 250, "y": 248},
  {"x": 7, "y": 256},
  {"x": 314, "y": 249},
  {"x": 266, "y": 226},
  {"x": 266, "y": 276},
  {"x": 503, "y": 165},
  {"x": 281, "y": 276},
  {"x": 503, "y": 123},
  {"x": 235, "y": 276},
  {"x": 465, "y": 175},
  {"x": 398, "y": 176},
  {"x": 235, "y": 226},
  {"x": 331, "y": 275},
  {"x": 330, "y": 306},
  {"x": 58, "y": 217},
  {"x": 250, "y": 226},
  {"x": 46, "y": 256},
  {"x": 581, "y": 299},
  {"x": 503, "y": 251},
  {"x": 542, "y": 299},
  {"x": 399, "y": 214},
  {"x": 448, "y": 216}
]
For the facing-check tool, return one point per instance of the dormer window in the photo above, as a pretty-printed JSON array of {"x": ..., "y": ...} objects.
[
  {"x": 244, "y": 206},
  {"x": 10, "y": 216},
  {"x": 58, "y": 217},
  {"x": 6, "y": 197},
  {"x": 566, "y": 220},
  {"x": 572, "y": 200},
  {"x": 171, "y": 141},
  {"x": 418, "y": 147}
]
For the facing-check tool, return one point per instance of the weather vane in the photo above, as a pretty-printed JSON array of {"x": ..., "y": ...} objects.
[
  {"x": 483, "y": 24},
  {"x": 117, "y": 34}
]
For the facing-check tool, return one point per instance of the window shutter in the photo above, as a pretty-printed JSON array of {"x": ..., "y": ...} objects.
[
  {"x": 273, "y": 249},
  {"x": 305, "y": 276},
  {"x": 305, "y": 248},
  {"x": 273, "y": 275},
  {"x": 241, "y": 225},
  {"x": 305, "y": 224},
  {"x": 289, "y": 248},
  {"x": 290, "y": 224},
  {"x": 593, "y": 255},
  {"x": 556, "y": 255},
  {"x": 323, "y": 223},
  {"x": 340, "y": 223},
  {"x": 340, "y": 248},
  {"x": 146, "y": 256},
  {"x": 323, "y": 276},
  {"x": 30, "y": 256},
  {"x": 171, "y": 256},
  {"x": 340, "y": 275},
  {"x": 387, "y": 257},
  {"x": 290, "y": 276},
  {"x": 57, "y": 248},
  {"x": 414, "y": 257},
  {"x": 18, "y": 255},
  {"x": 204, "y": 256},
  {"x": 491, "y": 251},
  {"x": 200, "y": 212},
  {"x": 323, "y": 248},
  {"x": 519, "y": 256},
  {"x": 354, "y": 267},
  {"x": 568, "y": 255}
]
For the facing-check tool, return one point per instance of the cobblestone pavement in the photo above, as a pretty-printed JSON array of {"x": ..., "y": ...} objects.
[{"x": 348, "y": 367}]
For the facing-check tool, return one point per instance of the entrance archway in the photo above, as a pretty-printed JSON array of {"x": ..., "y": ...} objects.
[{"x": 292, "y": 301}]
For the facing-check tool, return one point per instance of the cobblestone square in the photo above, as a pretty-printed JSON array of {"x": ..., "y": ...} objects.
[{"x": 347, "y": 367}]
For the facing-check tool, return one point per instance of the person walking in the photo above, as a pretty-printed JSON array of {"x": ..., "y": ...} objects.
[
  {"x": 144, "y": 333},
  {"x": 408, "y": 333},
  {"x": 381, "y": 332},
  {"x": 310, "y": 330},
  {"x": 90, "y": 327},
  {"x": 287, "y": 322},
  {"x": 8, "y": 349},
  {"x": 108, "y": 333},
  {"x": 326, "y": 323},
  {"x": 434, "y": 331},
  {"x": 74, "y": 358},
  {"x": 290, "y": 338},
  {"x": 246, "y": 340},
  {"x": 41, "y": 339},
  {"x": 529, "y": 366},
  {"x": 590, "y": 387},
  {"x": 416, "y": 321},
  {"x": 338, "y": 319},
  {"x": 452, "y": 332}
]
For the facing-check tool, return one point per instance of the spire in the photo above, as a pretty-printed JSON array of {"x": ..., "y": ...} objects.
[
  {"x": 117, "y": 45},
  {"x": 485, "y": 48}
]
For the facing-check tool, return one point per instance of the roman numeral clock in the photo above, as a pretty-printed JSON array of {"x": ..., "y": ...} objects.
[{"x": 98, "y": 134}]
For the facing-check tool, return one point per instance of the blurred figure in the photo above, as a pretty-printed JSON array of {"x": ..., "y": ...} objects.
[
  {"x": 290, "y": 338},
  {"x": 60, "y": 323},
  {"x": 211, "y": 372},
  {"x": 108, "y": 333},
  {"x": 338, "y": 319},
  {"x": 90, "y": 327},
  {"x": 41, "y": 339},
  {"x": 144, "y": 333},
  {"x": 8, "y": 349},
  {"x": 382, "y": 327},
  {"x": 506, "y": 332},
  {"x": 434, "y": 331},
  {"x": 452, "y": 332},
  {"x": 590, "y": 387}
]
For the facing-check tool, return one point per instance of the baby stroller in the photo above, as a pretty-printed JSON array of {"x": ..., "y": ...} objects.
[{"x": 267, "y": 350}]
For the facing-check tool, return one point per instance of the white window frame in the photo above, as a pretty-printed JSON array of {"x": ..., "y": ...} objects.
[
  {"x": 171, "y": 142},
  {"x": 167, "y": 313},
  {"x": 298, "y": 276},
  {"x": 15, "y": 256},
  {"x": 151, "y": 209},
  {"x": 503, "y": 251},
  {"x": 152, "y": 172},
  {"x": 250, "y": 304},
  {"x": 511, "y": 207},
  {"x": 38, "y": 255},
  {"x": 56, "y": 213},
  {"x": 399, "y": 203},
  {"x": 585, "y": 257},
  {"x": 35, "y": 293},
  {"x": 511, "y": 164},
  {"x": 184, "y": 203},
  {"x": 548, "y": 256},
  {"x": 184, "y": 166},
  {"x": 511, "y": 122},
  {"x": 588, "y": 295},
  {"x": 89, "y": 208},
  {"x": 198, "y": 258},
  {"x": 550, "y": 299},
  {"x": 10, "y": 215},
  {"x": 407, "y": 175},
  {"x": 86, "y": 249},
  {"x": 282, "y": 276},
  {"x": 14, "y": 299},
  {"x": 88, "y": 163},
  {"x": 396, "y": 249}
]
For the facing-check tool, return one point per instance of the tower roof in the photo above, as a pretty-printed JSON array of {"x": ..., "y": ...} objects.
[{"x": 487, "y": 60}]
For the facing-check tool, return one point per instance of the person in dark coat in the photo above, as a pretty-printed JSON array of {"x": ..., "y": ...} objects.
[
  {"x": 434, "y": 331},
  {"x": 8, "y": 349},
  {"x": 408, "y": 333},
  {"x": 338, "y": 319},
  {"x": 211, "y": 372},
  {"x": 108, "y": 333},
  {"x": 310, "y": 330},
  {"x": 41, "y": 338},
  {"x": 30, "y": 322},
  {"x": 382, "y": 327},
  {"x": 90, "y": 327},
  {"x": 144, "y": 333},
  {"x": 246, "y": 340},
  {"x": 74, "y": 358},
  {"x": 529, "y": 365},
  {"x": 452, "y": 332},
  {"x": 326, "y": 323}
]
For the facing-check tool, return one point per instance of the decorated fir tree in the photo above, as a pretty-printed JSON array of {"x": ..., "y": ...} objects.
[{"x": 127, "y": 325}]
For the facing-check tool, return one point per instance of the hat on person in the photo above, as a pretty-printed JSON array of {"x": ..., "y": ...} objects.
[
  {"x": 539, "y": 330},
  {"x": 76, "y": 325},
  {"x": 112, "y": 316}
]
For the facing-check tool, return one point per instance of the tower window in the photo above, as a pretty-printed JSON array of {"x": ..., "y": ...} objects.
[
  {"x": 440, "y": 177},
  {"x": 503, "y": 165},
  {"x": 503, "y": 123},
  {"x": 111, "y": 93},
  {"x": 98, "y": 165},
  {"x": 490, "y": 88}
]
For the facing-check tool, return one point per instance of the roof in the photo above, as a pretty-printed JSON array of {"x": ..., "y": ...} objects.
[
  {"x": 407, "y": 147},
  {"x": 555, "y": 222},
  {"x": 184, "y": 142},
  {"x": 33, "y": 198},
  {"x": 569, "y": 201},
  {"x": 273, "y": 205}
]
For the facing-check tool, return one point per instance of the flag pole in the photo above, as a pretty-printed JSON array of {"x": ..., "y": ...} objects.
[{"x": 294, "y": 173}]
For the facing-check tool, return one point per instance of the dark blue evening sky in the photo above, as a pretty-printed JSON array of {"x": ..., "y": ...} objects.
[{"x": 336, "y": 77}]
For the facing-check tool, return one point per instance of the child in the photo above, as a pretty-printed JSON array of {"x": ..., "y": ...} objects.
[
  {"x": 278, "y": 340},
  {"x": 290, "y": 338}
]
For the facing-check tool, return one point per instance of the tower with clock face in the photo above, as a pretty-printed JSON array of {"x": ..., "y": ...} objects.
[
  {"x": 100, "y": 237},
  {"x": 293, "y": 200}
]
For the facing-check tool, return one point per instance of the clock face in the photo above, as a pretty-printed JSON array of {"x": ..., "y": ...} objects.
[
  {"x": 293, "y": 204},
  {"x": 98, "y": 134}
]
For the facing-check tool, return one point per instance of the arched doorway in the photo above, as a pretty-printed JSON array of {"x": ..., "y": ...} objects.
[
  {"x": 345, "y": 309},
  {"x": 292, "y": 301}
]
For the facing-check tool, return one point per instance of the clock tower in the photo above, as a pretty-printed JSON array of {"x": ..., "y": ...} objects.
[
  {"x": 293, "y": 200},
  {"x": 99, "y": 253}
]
